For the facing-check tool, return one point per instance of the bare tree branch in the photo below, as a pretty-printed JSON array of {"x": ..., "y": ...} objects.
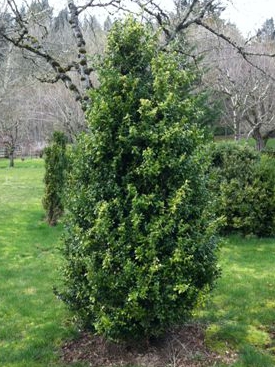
[
  {"x": 245, "y": 54},
  {"x": 83, "y": 67},
  {"x": 92, "y": 4}
]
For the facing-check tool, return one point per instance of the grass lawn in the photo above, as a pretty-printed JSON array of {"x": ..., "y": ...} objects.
[
  {"x": 251, "y": 142},
  {"x": 270, "y": 143},
  {"x": 241, "y": 312},
  {"x": 240, "y": 315},
  {"x": 33, "y": 321}
]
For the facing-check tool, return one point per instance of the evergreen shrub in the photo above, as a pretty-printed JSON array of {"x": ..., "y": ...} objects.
[
  {"x": 55, "y": 169},
  {"x": 140, "y": 247},
  {"x": 243, "y": 183}
]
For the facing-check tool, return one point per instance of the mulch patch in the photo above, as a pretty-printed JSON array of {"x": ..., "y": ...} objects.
[{"x": 183, "y": 347}]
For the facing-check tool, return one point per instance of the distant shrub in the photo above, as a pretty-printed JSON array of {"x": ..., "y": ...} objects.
[
  {"x": 263, "y": 204},
  {"x": 55, "y": 166},
  {"x": 223, "y": 131},
  {"x": 243, "y": 183},
  {"x": 269, "y": 151}
]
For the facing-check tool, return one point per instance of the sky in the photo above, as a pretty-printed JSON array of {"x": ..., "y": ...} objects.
[{"x": 249, "y": 15}]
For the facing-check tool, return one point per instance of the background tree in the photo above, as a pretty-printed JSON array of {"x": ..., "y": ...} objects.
[
  {"x": 33, "y": 40},
  {"x": 55, "y": 166},
  {"x": 53, "y": 109},
  {"x": 32, "y": 33},
  {"x": 244, "y": 91},
  {"x": 40, "y": 108},
  {"x": 246, "y": 94},
  {"x": 140, "y": 249},
  {"x": 56, "y": 49},
  {"x": 267, "y": 31},
  {"x": 14, "y": 86}
]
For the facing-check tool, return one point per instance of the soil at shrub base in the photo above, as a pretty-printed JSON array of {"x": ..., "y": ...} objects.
[{"x": 184, "y": 347}]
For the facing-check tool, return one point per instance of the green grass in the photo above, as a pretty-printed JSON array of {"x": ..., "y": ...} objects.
[
  {"x": 251, "y": 142},
  {"x": 241, "y": 312},
  {"x": 33, "y": 321}
]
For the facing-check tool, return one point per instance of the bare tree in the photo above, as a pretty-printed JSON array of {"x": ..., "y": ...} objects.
[
  {"x": 30, "y": 33},
  {"x": 53, "y": 109},
  {"x": 259, "y": 111},
  {"x": 61, "y": 57},
  {"x": 12, "y": 88},
  {"x": 249, "y": 105},
  {"x": 244, "y": 90},
  {"x": 13, "y": 125},
  {"x": 187, "y": 12}
]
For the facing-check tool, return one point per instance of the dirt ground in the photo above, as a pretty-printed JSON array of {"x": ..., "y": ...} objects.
[{"x": 184, "y": 347}]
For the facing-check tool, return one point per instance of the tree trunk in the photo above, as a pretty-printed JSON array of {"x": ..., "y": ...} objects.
[
  {"x": 10, "y": 151},
  {"x": 81, "y": 45},
  {"x": 260, "y": 140},
  {"x": 11, "y": 158},
  {"x": 236, "y": 125}
]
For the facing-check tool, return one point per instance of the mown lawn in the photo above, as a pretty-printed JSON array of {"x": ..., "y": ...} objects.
[
  {"x": 251, "y": 142},
  {"x": 33, "y": 321},
  {"x": 270, "y": 143},
  {"x": 241, "y": 312},
  {"x": 240, "y": 315}
]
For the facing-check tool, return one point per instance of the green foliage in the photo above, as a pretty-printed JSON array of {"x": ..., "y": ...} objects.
[
  {"x": 243, "y": 182},
  {"x": 140, "y": 244},
  {"x": 55, "y": 166}
]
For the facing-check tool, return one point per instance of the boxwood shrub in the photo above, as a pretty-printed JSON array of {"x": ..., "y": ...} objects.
[
  {"x": 140, "y": 247},
  {"x": 242, "y": 181}
]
